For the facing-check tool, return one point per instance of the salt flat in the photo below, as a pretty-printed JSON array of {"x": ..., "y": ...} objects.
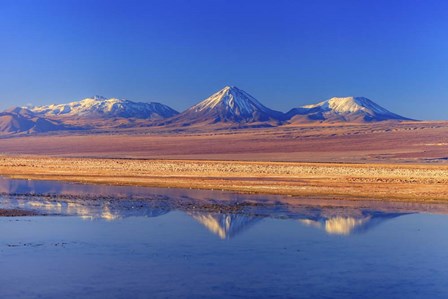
[{"x": 409, "y": 182}]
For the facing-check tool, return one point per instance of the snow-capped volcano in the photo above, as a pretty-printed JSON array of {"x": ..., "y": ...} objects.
[
  {"x": 229, "y": 105},
  {"x": 344, "y": 109},
  {"x": 101, "y": 107}
]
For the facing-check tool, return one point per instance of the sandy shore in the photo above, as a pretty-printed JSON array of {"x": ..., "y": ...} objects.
[{"x": 428, "y": 183}]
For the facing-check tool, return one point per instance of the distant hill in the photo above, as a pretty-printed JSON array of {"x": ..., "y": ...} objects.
[
  {"x": 350, "y": 109},
  {"x": 19, "y": 120}
]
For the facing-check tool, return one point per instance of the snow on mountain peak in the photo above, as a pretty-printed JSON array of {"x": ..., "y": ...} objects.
[
  {"x": 233, "y": 100},
  {"x": 229, "y": 105},
  {"x": 349, "y": 105},
  {"x": 344, "y": 109},
  {"x": 103, "y": 107}
]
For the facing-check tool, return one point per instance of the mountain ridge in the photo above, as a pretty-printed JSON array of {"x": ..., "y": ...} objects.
[
  {"x": 228, "y": 108},
  {"x": 99, "y": 106},
  {"x": 20, "y": 121}
]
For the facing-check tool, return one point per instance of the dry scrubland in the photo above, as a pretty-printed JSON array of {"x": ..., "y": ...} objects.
[
  {"x": 323, "y": 180},
  {"x": 412, "y": 142},
  {"x": 410, "y": 159}
]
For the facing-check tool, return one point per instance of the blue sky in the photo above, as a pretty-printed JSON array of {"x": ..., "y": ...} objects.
[{"x": 285, "y": 53}]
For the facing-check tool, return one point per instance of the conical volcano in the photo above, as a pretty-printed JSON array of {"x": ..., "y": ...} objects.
[{"x": 229, "y": 105}]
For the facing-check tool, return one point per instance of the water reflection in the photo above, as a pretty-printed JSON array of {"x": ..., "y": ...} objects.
[
  {"x": 87, "y": 208},
  {"x": 224, "y": 214},
  {"x": 337, "y": 225},
  {"x": 346, "y": 225},
  {"x": 225, "y": 226}
]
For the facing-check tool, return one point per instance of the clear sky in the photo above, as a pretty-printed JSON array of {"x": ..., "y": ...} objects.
[{"x": 285, "y": 53}]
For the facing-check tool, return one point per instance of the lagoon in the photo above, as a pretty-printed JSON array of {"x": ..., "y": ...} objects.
[{"x": 98, "y": 241}]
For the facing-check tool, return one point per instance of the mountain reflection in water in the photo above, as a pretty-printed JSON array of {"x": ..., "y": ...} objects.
[
  {"x": 346, "y": 225},
  {"x": 225, "y": 214},
  {"x": 226, "y": 225}
]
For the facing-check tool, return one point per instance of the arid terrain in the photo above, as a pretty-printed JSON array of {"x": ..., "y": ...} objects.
[
  {"x": 387, "y": 161},
  {"x": 319, "y": 180},
  {"x": 384, "y": 142}
]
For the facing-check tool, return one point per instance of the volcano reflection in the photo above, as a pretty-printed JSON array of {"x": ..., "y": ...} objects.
[
  {"x": 225, "y": 226},
  {"x": 346, "y": 225},
  {"x": 224, "y": 214}
]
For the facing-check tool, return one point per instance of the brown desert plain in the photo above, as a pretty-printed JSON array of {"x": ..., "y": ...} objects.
[{"x": 406, "y": 161}]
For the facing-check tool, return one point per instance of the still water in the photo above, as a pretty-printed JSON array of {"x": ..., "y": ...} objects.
[{"x": 128, "y": 242}]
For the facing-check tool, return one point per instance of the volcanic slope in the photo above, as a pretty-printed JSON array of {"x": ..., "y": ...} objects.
[
  {"x": 349, "y": 109},
  {"x": 230, "y": 106}
]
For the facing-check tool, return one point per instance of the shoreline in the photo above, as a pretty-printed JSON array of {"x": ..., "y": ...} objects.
[
  {"x": 383, "y": 182},
  {"x": 16, "y": 213}
]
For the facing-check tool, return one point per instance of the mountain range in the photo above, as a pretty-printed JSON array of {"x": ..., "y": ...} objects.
[
  {"x": 230, "y": 107},
  {"x": 100, "y": 107}
]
